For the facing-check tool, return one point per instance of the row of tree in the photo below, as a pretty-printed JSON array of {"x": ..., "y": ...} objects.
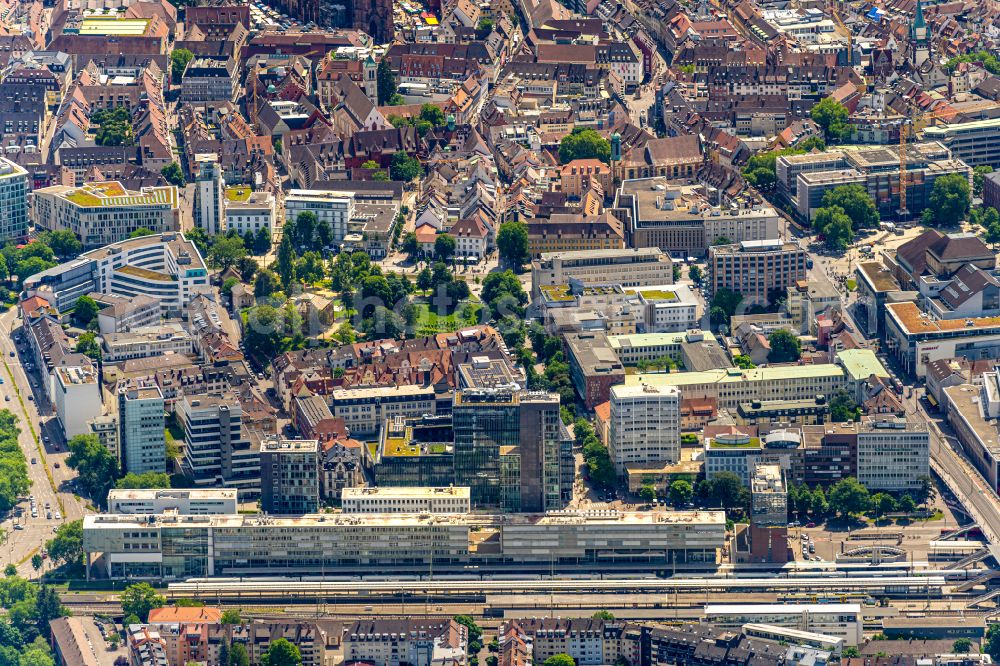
[{"x": 14, "y": 482}]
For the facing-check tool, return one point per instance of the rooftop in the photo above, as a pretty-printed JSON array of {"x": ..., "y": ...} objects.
[
  {"x": 914, "y": 321},
  {"x": 146, "y": 274},
  {"x": 646, "y": 340},
  {"x": 737, "y": 375},
  {"x": 861, "y": 363},
  {"x": 114, "y": 195},
  {"x": 114, "y": 26},
  {"x": 878, "y": 276},
  {"x": 965, "y": 401},
  {"x": 170, "y": 493},
  {"x": 239, "y": 193},
  {"x": 277, "y": 445},
  {"x": 404, "y": 492},
  {"x": 389, "y": 520}
]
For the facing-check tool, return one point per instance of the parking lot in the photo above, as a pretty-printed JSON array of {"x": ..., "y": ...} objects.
[{"x": 825, "y": 542}]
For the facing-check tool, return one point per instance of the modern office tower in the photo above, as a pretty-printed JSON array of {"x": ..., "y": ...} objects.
[
  {"x": 209, "y": 213},
  {"x": 518, "y": 431},
  {"x": 756, "y": 269},
  {"x": 141, "y": 437},
  {"x": 216, "y": 452},
  {"x": 289, "y": 476},
  {"x": 13, "y": 200},
  {"x": 645, "y": 426}
]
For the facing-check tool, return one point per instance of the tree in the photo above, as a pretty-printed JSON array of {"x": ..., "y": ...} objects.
[
  {"x": 832, "y": 116},
  {"x": 87, "y": 344},
  {"x": 848, "y": 497},
  {"x": 583, "y": 144},
  {"x": 63, "y": 243},
  {"x": 85, "y": 311},
  {"x": 925, "y": 493},
  {"x": 226, "y": 251},
  {"x": 723, "y": 306},
  {"x": 369, "y": 164},
  {"x": 36, "y": 561},
  {"x": 949, "y": 199},
  {"x": 835, "y": 226},
  {"x": 238, "y": 655},
  {"x": 146, "y": 480},
  {"x": 743, "y": 361},
  {"x": 266, "y": 284},
  {"x": 978, "y": 176},
  {"x": 647, "y": 492},
  {"x": 444, "y": 247},
  {"x": 906, "y": 504},
  {"x": 231, "y": 616},
  {"x": 96, "y": 467},
  {"x": 856, "y": 203},
  {"x": 262, "y": 241},
  {"x": 172, "y": 172},
  {"x": 286, "y": 262},
  {"x": 561, "y": 659},
  {"x": 605, "y": 615},
  {"x": 179, "y": 59},
  {"x": 114, "y": 127},
  {"x": 882, "y": 503},
  {"x": 484, "y": 28},
  {"x": 785, "y": 346},
  {"x": 681, "y": 493},
  {"x": 144, "y": 231},
  {"x": 474, "y": 631},
  {"x": 67, "y": 544},
  {"x": 512, "y": 243},
  {"x": 140, "y": 598},
  {"x": 961, "y": 646},
  {"x": 403, "y": 167},
  {"x": 386, "y": 82},
  {"x": 433, "y": 114},
  {"x": 843, "y": 407},
  {"x": 727, "y": 490},
  {"x": 695, "y": 274}
]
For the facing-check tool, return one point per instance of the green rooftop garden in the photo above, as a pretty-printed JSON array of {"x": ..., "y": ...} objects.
[{"x": 238, "y": 194}]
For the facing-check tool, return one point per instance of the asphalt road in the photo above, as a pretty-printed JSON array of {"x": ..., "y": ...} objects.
[
  {"x": 53, "y": 491},
  {"x": 961, "y": 477}
]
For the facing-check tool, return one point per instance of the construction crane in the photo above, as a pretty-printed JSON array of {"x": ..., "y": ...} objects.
[
  {"x": 835, "y": 15},
  {"x": 914, "y": 124}
]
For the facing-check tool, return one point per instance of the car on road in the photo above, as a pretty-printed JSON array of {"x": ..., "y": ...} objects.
[
  {"x": 12, "y": 354},
  {"x": 57, "y": 465},
  {"x": 58, "y": 516},
  {"x": 7, "y": 398},
  {"x": 34, "y": 462},
  {"x": 18, "y": 527},
  {"x": 31, "y": 398},
  {"x": 48, "y": 515}
]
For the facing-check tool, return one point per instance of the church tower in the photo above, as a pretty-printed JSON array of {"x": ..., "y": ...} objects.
[{"x": 920, "y": 49}]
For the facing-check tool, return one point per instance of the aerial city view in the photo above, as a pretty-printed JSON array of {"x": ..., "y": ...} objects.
[{"x": 499, "y": 333}]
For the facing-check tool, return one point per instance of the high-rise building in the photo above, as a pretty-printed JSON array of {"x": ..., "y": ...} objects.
[
  {"x": 141, "y": 437},
  {"x": 216, "y": 451},
  {"x": 208, "y": 195},
  {"x": 289, "y": 475},
  {"x": 645, "y": 426},
  {"x": 518, "y": 431},
  {"x": 756, "y": 269},
  {"x": 13, "y": 200}
]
